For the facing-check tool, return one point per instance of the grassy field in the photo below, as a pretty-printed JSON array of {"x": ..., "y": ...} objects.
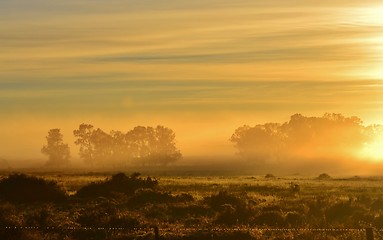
[{"x": 197, "y": 207}]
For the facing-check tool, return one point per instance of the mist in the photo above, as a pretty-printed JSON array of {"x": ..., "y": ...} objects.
[{"x": 331, "y": 143}]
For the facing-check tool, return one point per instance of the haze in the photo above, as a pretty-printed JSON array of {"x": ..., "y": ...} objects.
[{"x": 201, "y": 68}]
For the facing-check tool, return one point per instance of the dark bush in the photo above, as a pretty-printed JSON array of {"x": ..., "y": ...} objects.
[
  {"x": 295, "y": 188},
  {"x": 187, "y": 211},
  {"x": 270, "y": 219},
  {"x": 23, "y": 188},
  {"x": 184, "y": 197},
  {"x": 227, "y": 216},
  {"x": 324, "y": 176},
  {"x": 231, "y": 209},
  {"x": 217, "y": 202},
  {"x": 119, "y": 183},
  {"x": 341, "y": 212},
  {"x": 145, "y": 196},
  {"x": 294, "y": 219},
  {"x": 42, "y": 217},
  {"x": 270, "y": 176},
  {"x": 9, "y": 217},
  {"x": 97, "y": 214}
]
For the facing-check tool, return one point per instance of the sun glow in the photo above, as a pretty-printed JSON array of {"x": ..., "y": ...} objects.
[{"x": 373, "y": 151}]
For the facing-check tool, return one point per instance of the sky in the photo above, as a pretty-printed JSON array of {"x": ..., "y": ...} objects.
[{"x": 202, "y": 68}]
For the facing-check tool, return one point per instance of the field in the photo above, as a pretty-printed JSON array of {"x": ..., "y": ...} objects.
[{"x": 99, "y": 206}]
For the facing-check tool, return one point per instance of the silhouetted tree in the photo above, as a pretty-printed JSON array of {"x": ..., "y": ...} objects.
[
  {"x": 57, "y": 151},
  {"x": 102, "y": 144},
  {"x": 83, "y": 134},
  {"x": 138, "y": 142},
  {"x": 154, "y": 146},
  {"x": 332, "y": 135},
  {"x": 260, "y": 142},
  {"x": 162, "y": 148},
  {"x": 141, "y": 145},
  {"x": 120, "y": 148}
]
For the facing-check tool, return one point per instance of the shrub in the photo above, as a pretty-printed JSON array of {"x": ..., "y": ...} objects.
[
  {"x": 231, "y": 209},
  {"x": 188, "y": 210},
  {"x": 269, "y": 176},
  {"x": 341, "y": 212},
  {"x": 324, "y": 176},
  {"x": 294, "y": 188},
  {"x": 146, "y": 196},
  {"x": 23, "y": 188},
  {"x": 119, "y": 183},
  {"x": 97, "y": 214},
  {"x": 270, "y": 218},
  {"x": 9, "y": 216},
  {"x": 227, "y": 216},
  {"x": 217, "y": 202},
  {"x": 294, "y": 219}
]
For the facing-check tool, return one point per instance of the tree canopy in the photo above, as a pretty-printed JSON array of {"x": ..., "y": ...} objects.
[
  {"x": 56, "y": 150},
  {"x": 331, "y": 135},
  {"x": 141, "y": 145}
]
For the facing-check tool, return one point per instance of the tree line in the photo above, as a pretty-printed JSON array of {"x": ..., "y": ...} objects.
[
  {"x": 141, "y": 145},
  {"x": 332, "y": 135}
]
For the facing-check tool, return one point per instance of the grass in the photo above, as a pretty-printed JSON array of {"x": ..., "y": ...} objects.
[{"x": 190, "y": 202}]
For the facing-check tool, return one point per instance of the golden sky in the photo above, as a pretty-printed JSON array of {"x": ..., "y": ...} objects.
[{"x": 202, "y": 67}]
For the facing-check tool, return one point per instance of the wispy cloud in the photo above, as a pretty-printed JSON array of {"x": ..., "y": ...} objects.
[{"x": 120, "y": 58}]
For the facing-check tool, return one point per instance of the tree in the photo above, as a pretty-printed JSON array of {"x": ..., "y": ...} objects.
[
  {"x": 143, "y": 145},
  {"x": 102, "y": 144},
  {"x": 163, "y": 148},
  {"x": 329, "y": 136},
  {"x": 262, "y": 142},
  {"x": 84, "y": 134},
  {"x": 138, "y": 143},
  {"x": 153, "y": 146},
  {"x": 57, "y": 151}
]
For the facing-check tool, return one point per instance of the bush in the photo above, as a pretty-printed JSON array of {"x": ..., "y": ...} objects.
[
  {"x": 270, "y": 219},
  {"x": 187, "y": 210},
  {"x": 270, "y": 176},
  {"x": 145, "y": 196},
  {"x": 324, "y": 176},
  {"x": 119, "y": 183},
  {"x": 342, "y": 212},
  {"x": 231, "y": 209},
  {"x": 23, "y": 188},
  {"x": 217, "y": 202},
  {"x": 97, "y": 213},
  {"x": 294, "y": 219}
]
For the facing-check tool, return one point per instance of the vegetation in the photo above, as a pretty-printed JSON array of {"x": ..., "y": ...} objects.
[
  {"x": 23, "y": 188},
  {"x": 330, "y": 136},
  {"x": 56, "y": 150},
  {"x": 119, "y": 183},
  {"x": 187, "y": 207},
  {"x": 142, "y": 145}
]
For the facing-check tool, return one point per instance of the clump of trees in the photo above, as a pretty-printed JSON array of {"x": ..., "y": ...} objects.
[
  {"x": 141, "y": 145},
  {"x": 332, "y": 135}
]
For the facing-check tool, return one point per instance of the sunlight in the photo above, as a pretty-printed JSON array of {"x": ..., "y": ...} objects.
[
  {"x": 369, "y": 15},
  {"x": 369, "y": 18},
  {"x": 374, "y": 150}
]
